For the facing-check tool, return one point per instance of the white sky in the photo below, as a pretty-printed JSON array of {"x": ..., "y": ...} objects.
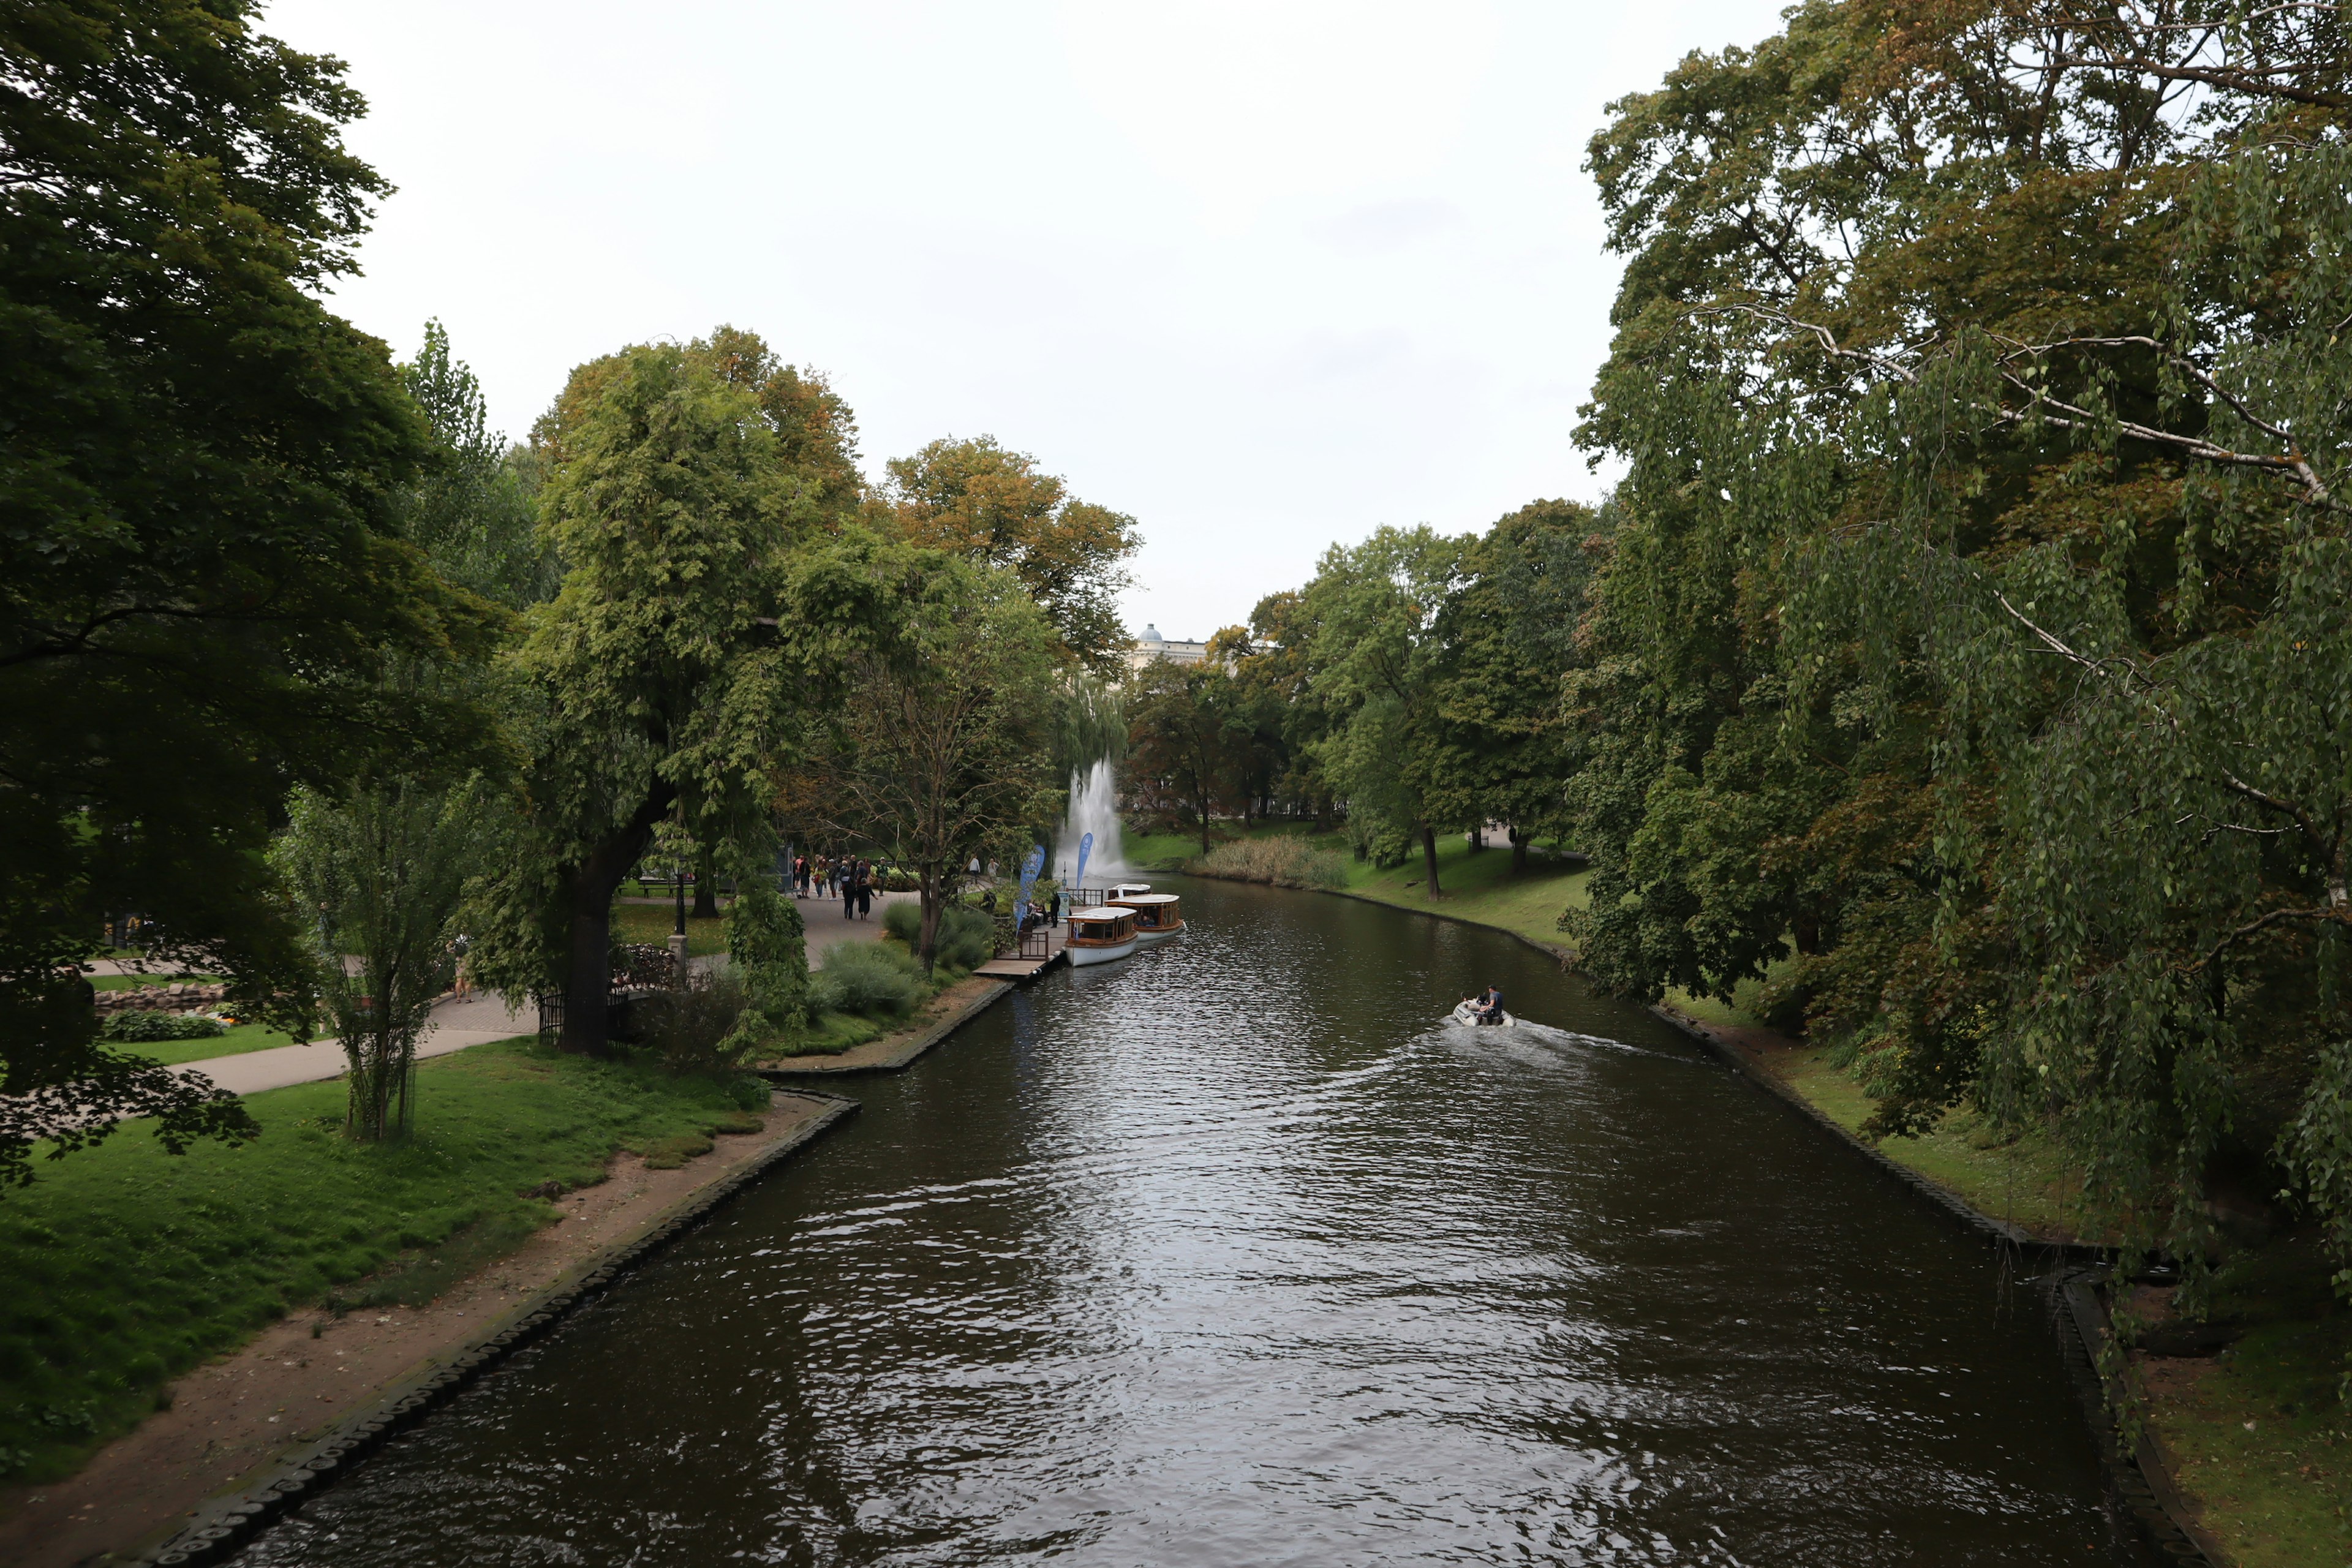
[{"x": 1263, "y": 275}]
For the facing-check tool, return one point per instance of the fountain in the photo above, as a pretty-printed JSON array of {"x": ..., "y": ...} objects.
[{"x": 1094, "y": 808}]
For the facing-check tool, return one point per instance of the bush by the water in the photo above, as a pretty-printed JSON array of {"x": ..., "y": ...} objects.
[
  {"x": 1285, "y": 862},
  {"x": 149, "y": 1025},
  {"x": 866, "y": 977},
  {"x": 967, "y": 936},
  {"x": 694, "y": 1025}
]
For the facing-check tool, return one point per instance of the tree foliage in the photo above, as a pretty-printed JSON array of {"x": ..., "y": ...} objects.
[
  {"x": 704, "y": 605},
  {"x": 978, "y": 499},
  {"x": 942, "y": 747},
  {"x": 202, "y": 561}
]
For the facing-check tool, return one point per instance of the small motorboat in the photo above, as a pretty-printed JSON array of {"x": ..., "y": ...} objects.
[
  {"x": 1467, "y": 1015},
  {"x": 1099, "y": 934},
  {"x": 1158, "y": 916}
]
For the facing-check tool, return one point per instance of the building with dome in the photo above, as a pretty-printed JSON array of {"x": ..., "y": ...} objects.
[{"x": 1151, "y": 645}]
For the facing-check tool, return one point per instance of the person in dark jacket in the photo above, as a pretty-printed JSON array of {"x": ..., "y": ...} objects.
[{"x": 865, "y": 889}]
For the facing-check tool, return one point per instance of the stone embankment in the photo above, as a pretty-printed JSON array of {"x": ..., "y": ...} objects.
[{"x": 182, "y": 996}]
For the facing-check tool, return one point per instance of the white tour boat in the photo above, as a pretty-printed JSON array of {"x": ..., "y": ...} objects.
[
  {"x": 1157, "y": 915},
  {"x": 1099, "y": 934}
]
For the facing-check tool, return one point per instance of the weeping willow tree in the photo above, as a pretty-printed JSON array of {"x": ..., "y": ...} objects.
[
  {"x": 380, "y": 869},
  {"x": 1971, "y": 668}
]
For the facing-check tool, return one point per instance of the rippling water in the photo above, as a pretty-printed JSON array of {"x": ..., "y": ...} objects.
[{"x": 1235, "y": 1254}]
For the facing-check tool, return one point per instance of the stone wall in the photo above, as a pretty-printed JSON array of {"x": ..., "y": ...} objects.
[{"x": 183, "y": 996}]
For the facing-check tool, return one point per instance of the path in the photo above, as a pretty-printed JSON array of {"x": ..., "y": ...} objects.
[{"x": 476, "y": 1021}]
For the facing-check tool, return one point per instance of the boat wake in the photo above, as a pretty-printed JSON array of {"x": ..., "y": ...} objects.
[{"x": 1525, "y": 1033}]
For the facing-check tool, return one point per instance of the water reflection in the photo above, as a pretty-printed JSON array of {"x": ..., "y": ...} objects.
[{"x": 1236, "y": 1253}]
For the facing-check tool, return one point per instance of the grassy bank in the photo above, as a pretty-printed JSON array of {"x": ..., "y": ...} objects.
[
  {"x": 1476, "y": 884},
  {"x": 2258, "y": 1435},
  {"x": 127, "y": 1265}
]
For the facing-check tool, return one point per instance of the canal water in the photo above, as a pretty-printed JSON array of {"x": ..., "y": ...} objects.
[{"x": 1234, "y": 1253}]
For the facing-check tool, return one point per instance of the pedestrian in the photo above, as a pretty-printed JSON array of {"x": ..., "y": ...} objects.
[
  {"x": 462, "y": 983},
  {"x": 1053, "y": 908},
  {"x": 865, "y": 889},
  {"x": 847, "y": 871}
]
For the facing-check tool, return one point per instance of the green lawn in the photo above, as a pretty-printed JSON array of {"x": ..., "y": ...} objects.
[
  {"x": 235, "y": 1043},
  {"x": 127, "y": 1265},
  {"x": 1477, "y": 884},
  {"x": 2260, "y": 1435},
  {"x": 652, "y": 923}
]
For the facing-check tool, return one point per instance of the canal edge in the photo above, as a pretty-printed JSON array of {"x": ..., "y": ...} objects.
[
  {"x": 226, "y": 1524},
  {"x": 904, "y": 1055}
]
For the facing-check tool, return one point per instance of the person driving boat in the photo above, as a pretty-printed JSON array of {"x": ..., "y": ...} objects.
[{"x": 1489, "y": 1004}]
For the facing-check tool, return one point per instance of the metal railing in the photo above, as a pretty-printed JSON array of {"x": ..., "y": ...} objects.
[{"x": 1035, "y": 942}]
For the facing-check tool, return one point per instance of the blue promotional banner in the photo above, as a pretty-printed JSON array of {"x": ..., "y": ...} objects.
[
  {"x": 1029, "y": 870},
  {"x": 1085, "y": 847}
]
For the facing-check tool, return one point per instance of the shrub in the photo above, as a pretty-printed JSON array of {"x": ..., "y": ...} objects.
[
  {"x": 148, "y": 1025},
  {"x": 693, "y": 1025},
  {"x": 967, "y": 938},
  {"x": 766, "y": 943},
  {"x": 866, "y": 977},
  {"x": 1285, "y": 861}
]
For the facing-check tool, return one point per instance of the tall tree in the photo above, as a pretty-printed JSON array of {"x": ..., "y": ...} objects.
[
  {"x": 976, "y": 498},
  {"x": 943, "y": 748},
  {"x": 1180, "y": 734},
  {"x": 201, "y": 561},
  {"x": 1375, "y": 609},
  {"x": 474, "y": 508},
  {"x": 1975, "y": 617},
  {"x": 1507, "y": 635},
  {"x": 678, "y": 662}
]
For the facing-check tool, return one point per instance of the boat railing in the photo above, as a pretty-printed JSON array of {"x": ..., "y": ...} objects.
[{"x": 1088, "y": 897}]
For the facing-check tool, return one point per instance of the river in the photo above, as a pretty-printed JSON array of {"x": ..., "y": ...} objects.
[{"x": 1234, "y": 1254}]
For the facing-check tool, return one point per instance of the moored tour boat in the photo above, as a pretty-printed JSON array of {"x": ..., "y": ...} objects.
[
  {"x": 1100, "y": 934},
  {"x": 1157, "y": 915}
]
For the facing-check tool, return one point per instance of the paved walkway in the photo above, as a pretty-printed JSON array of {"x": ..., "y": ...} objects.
[{"x": 455, "y": 1025}]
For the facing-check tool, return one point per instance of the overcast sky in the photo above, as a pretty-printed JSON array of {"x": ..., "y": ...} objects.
[{"x": 1263, "y": 275}]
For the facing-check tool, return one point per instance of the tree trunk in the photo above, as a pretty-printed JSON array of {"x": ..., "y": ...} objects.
[
  {"x": 1429, "y": 858},
  {"x": 588, "y": 889},
  {"x": 928, "y": 877},
  {"x": 705, "y": 886},
  {"x": 1518, "y": 852}
]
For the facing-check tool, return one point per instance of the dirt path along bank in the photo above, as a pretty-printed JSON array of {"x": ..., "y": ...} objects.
[{"x": 241, "y": 1415}]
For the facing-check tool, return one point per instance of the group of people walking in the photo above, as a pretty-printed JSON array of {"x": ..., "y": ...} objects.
[{"x": 849, "y": 878}]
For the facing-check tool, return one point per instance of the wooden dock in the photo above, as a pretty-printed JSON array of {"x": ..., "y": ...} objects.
[{"x": 1027, "y": 969}]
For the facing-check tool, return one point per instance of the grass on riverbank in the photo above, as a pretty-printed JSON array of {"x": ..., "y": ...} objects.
[
  {"x": 2258, "y": 1435},
  {"x": 127, "y": 1265}
]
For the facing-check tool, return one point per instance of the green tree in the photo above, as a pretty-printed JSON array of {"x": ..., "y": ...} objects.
[
  {"x": 943, "y": 744},
  {"x": 978, "y": 499},
  {"x": 1181, "y": 729},
  {"x": 1375, "y": 609},
  {"x": 382, "y": 869},
  {"x": 474, "y": 509},
  {"x": 704, "y": 606},
  {"x": 1507, "y": 635},
  {"x": 201, "y": 563},
  {"x": 1973, "y": 617}
]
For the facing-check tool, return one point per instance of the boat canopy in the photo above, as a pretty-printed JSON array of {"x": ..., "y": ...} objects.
[{"x": 1131, "y": 900}]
